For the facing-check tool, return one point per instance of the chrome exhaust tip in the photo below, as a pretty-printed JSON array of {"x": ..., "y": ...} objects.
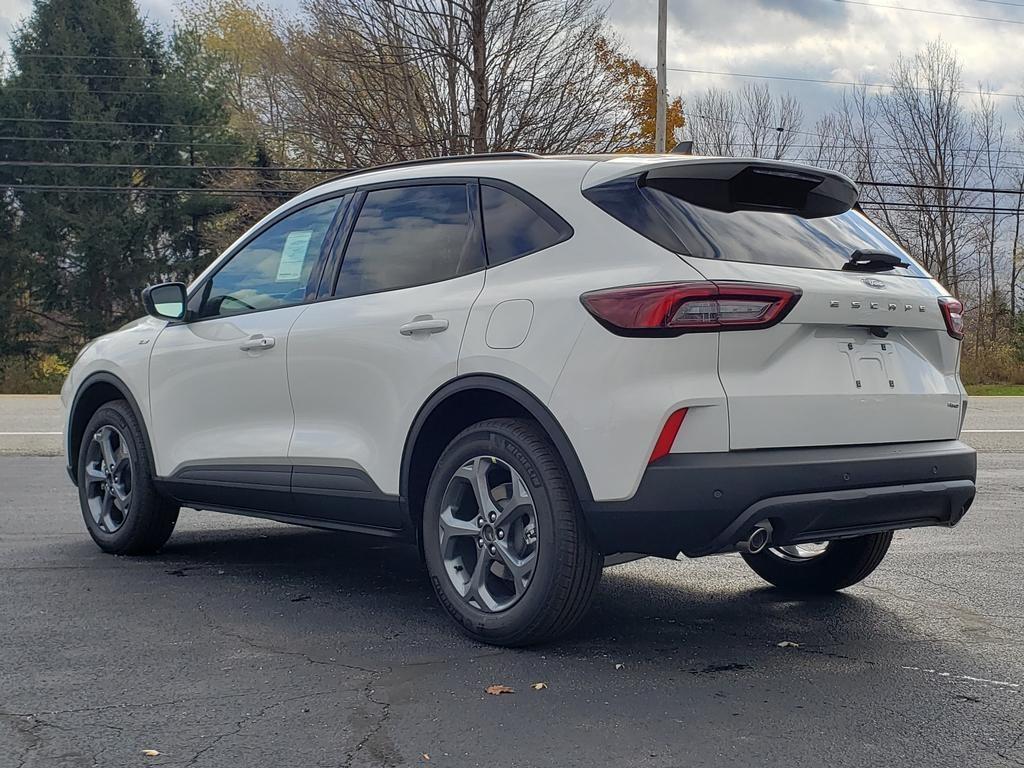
[{"x": 758, "y": 540}]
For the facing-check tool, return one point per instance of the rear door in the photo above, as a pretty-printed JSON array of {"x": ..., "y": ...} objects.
[
  {"x": 362, "y": 361},
  {"x": 863, "y": 357}
]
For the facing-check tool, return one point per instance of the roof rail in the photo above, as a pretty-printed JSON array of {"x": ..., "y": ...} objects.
[{"x": 429, "y": 161}]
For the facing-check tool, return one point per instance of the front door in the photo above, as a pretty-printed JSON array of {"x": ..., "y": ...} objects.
[{"x": 221, "y": 406}]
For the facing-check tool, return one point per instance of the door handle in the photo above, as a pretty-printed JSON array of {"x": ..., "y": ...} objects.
[
  {"x": 424, "y": 324},
  {"x": 257, "y": 342}
]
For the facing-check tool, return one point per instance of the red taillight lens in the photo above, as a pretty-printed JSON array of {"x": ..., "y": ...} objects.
[
  {"x": 953, "y": 314},
  {"x": 671, "y": 309}
]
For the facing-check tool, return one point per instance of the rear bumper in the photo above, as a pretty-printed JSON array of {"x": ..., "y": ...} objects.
[{"x": 702, "y": 504}]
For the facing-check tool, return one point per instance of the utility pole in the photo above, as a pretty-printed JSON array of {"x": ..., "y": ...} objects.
[{"x": 659, "y": 120}]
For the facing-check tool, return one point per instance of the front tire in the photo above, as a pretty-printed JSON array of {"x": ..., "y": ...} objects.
[
  {"x": 123, "y": 511},
  {"x": 505, "y": 543},
  {"x": 802, "y": 569}
]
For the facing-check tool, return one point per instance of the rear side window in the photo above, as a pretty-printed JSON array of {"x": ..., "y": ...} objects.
[
  {"x": 516, "y": 224},
  {"x": 695, "y": 222},
  {"x": 408, "y": 236}
]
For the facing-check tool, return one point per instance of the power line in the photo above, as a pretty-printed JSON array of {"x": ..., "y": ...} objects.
[
  {"x": 933, "y": 13},
  {"x": 786, "y": 78},
  {"x": 928, "y": 208},
  {"x": 309, "y": 169},
  {"x": 177, "y": 167},
  {"x": 67, "y": 121},
  {"x": 86, "y": 56},
  {"x": 1001, "y": 2},
  {"x": 90, "y": 91},
  {"x": 63, "y": 140},
  {"x": 936, "y": 187},
  {"x": 101, "y": 76},
  {"x": 148, "y": 190}
]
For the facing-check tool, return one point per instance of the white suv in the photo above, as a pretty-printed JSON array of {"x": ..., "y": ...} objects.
[{"x": 532, "y": 365}]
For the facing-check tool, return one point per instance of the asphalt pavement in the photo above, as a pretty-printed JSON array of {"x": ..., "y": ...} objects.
[{"x": 248, "y": 643}]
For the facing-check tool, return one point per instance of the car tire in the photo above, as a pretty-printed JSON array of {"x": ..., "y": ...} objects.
[
  {"x": 123, "y": 510},
  {"x": 537, "y": 527},
  {"x": 842, "y": 564}
]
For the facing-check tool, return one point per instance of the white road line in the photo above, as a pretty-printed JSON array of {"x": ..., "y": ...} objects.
[
  {"x": 992, "y": 431},
  {"x": 967, "y": 678},
  {"x": 25, "y": 434}
]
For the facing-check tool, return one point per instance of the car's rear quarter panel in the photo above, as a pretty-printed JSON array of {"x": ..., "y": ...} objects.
[{"x": 611, "y": 395}]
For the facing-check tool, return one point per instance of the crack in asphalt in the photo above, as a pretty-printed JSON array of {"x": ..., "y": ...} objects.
[
  {"x": 376, "y": 728},
  {"x": 250, "y": 643},
  {"x": 248, "y": 719}
]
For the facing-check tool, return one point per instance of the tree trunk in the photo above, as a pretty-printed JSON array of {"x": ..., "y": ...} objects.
[{"x": 479, "y": 115}]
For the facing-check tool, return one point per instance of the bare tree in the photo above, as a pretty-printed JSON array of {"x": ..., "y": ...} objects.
[
  {"x": 751, "y": 123},
  {"x": 440, "y": 77},
  {"x": 713, "y": 123},
  {"x": 990, "y": 129},
  {"x": 918, "y": 134}
]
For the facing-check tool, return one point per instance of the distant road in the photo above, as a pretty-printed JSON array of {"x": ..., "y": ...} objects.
[{"x": 30, "y": 425}]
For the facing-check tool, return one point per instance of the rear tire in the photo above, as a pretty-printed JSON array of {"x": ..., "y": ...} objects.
[
  {"x": 844, "y": 563},
  {"x": 122, "y": 509},
  {"x": 516, "y": 566}
]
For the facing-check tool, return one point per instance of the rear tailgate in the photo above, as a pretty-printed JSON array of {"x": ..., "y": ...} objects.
[
  {"x": 863, "y": 357},
  {"x": 822, "y": 377}
]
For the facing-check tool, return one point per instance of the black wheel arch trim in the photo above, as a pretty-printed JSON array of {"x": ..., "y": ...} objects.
[
  {"x": 523, "y": 397},
  {"x": 104, "y": 377}
]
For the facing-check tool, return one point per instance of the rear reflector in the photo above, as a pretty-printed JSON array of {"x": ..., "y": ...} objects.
[
  {"x": 671, "y": 309},
  {"x": 953, "y": 314},
  {"x": 667, "y": 436}
]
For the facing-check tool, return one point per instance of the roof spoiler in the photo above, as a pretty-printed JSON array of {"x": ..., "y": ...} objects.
[{"x": 755, "y": 185}]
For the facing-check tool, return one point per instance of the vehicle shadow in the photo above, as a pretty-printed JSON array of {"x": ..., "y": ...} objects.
[{"x": 712, "y": 609}]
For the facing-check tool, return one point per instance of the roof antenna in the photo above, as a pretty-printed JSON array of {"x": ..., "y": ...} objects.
[{"x": 683, "y": 148}]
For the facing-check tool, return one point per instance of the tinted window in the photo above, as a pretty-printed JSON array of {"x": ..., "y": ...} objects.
[
  {"x": 762, "y": 237},
  {"x": 410, "y": 236},
  {"x": 273, "y": 269},
  {"x": 512, "y": 228},
  {"x": 758, "y": 236}
]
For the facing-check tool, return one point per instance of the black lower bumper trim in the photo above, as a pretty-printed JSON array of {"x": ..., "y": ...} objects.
[{"x": 700, "y": 504}]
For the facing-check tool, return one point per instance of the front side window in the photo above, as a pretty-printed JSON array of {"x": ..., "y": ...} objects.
[
  {"x": 408, "y": 236},
  {"x": 273, "y": 269}
]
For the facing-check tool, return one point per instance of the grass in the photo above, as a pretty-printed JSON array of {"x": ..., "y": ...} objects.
[{"x": 996, "y": 390}]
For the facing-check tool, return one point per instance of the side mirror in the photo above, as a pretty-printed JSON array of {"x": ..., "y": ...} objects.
[{"x": 166, "y": 301}]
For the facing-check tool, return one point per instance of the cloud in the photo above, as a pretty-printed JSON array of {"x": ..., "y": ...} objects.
[{"x": 819, "y": 39}]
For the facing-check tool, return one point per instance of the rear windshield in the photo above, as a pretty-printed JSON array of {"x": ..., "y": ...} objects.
[{"x": 756, "y": 236}]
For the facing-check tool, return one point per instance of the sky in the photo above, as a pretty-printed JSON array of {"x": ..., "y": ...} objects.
[{"x": 823, "y": 39}]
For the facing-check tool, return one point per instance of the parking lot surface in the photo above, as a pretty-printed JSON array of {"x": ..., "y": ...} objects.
[{"x": 249, "y": 643}]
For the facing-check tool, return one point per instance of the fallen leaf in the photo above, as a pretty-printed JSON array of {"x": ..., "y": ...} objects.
[
  {"x": 497, "y": 690},
  {"x": 788, "y": 644},
  {"x": 150, "y": 752},
  {"x": 539, "y": 686}
]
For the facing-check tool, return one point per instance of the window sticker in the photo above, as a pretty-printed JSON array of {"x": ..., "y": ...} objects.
[{"x": 293, "y": 255}]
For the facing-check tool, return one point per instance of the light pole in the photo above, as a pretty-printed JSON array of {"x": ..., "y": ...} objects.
[{"x": 659, "y": 118}]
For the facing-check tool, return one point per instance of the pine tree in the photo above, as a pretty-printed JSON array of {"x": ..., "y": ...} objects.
[{"x": 93, "y": 87}]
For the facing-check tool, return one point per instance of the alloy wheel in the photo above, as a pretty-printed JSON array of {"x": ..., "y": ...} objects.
[
  {"x": 109, "y": 471},
  {"x": 488, "y": 534}
]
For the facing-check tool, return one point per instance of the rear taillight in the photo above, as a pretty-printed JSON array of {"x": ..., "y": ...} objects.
[
  {"x": 671, "y": 309},
  {"x": 953, "y": 314}
]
